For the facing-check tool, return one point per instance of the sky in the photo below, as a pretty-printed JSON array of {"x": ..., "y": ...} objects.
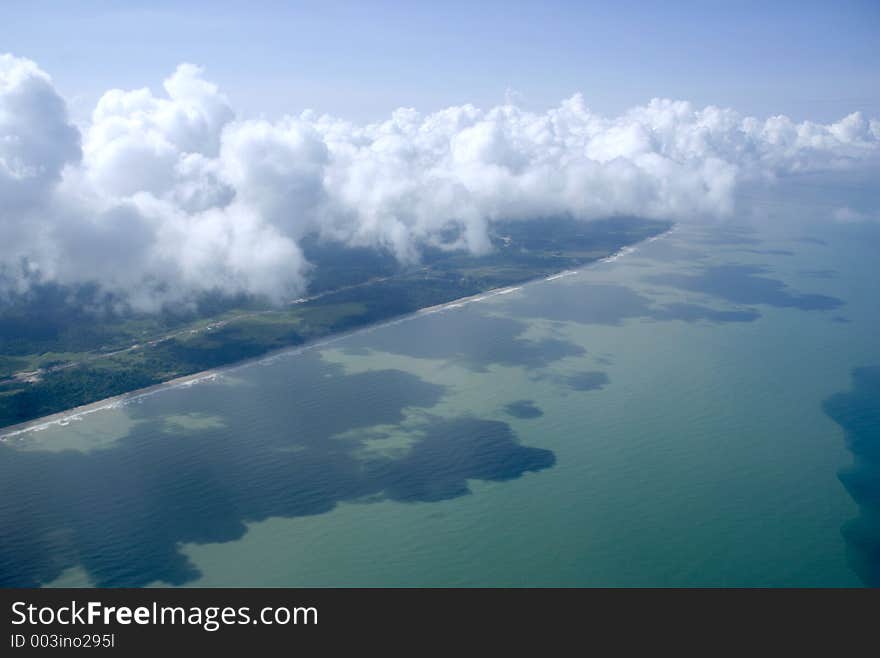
[
  {"x": 163, "y": 150},
  {"x": 361, "y": 60}
]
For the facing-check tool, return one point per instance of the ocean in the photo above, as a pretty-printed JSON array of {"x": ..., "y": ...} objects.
[{"x": 702, "y": 410}]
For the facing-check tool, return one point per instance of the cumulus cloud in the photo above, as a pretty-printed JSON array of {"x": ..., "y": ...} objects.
[{"x": 162, "y": 196}]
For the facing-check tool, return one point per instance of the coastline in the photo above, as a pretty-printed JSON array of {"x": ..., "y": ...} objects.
[{"x": 63, "y": 418}]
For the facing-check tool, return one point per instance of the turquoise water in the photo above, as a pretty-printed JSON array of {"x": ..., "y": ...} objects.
[{"x": 702, "y": 411}]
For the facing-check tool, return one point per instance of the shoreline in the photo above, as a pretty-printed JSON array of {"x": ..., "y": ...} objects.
[{"x": 63, "y": 418}]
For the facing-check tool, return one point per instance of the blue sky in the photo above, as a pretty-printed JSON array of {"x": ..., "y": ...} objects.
[{"x": 360, "y": 60}]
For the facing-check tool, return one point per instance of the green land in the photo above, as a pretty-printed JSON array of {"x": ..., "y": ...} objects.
[{"x": 57, "y": 353}]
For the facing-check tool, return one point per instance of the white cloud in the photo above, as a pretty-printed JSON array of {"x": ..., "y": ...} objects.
[
  {"x": 847, "y": 215},
  {"x": 171, "y": 194},
  {"x": 135, "y": 140}
]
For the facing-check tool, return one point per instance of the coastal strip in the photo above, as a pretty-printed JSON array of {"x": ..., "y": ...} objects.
[{"x": 62, "y": 418}]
